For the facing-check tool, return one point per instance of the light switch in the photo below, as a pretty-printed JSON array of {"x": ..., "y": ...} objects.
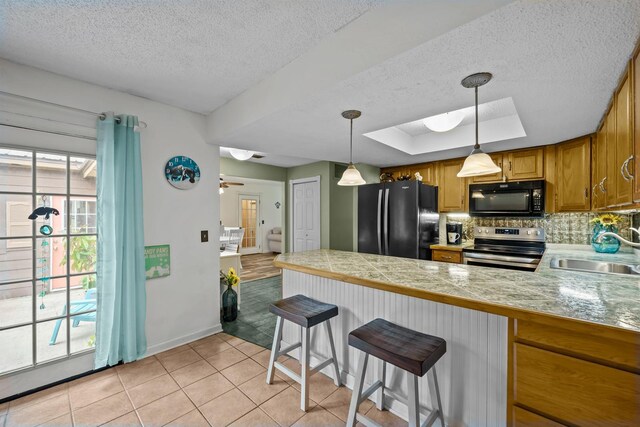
[{"x": 204, "y": 236}]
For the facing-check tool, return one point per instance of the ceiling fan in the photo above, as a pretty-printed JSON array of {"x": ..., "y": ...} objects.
[{"x": 225, "y": 184}]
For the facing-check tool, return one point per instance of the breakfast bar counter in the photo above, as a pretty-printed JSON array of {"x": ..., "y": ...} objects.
[{"x": 522, "y": 347}]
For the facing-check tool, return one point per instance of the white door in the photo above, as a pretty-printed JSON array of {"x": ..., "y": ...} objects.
[
  {"x": 306, "y": 215},
  {"x": 249, "y": 210}
]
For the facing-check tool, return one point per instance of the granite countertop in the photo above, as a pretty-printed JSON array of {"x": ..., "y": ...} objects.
[{"x": 610, "y": 300}]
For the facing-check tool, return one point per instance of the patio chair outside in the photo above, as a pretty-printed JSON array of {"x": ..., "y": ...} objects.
[{"x": 88, "y": 303}]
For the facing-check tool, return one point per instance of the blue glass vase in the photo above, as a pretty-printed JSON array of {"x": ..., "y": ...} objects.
[
  {"x": 608, "y": 245},
  {"x": 229, "y": 304}
]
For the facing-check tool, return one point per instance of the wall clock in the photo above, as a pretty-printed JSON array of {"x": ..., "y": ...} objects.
[{"x": 182, "y": 172}]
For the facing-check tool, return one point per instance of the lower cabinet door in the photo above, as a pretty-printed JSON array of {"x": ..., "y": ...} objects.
[
  {"x": 524, "y": 418},
  {"x": 574, "y": 390}
]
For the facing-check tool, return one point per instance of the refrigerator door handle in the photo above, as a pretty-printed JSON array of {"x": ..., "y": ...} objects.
[
  {"x": 386, "y": 221},
  {"x": 379, "y": 222}
]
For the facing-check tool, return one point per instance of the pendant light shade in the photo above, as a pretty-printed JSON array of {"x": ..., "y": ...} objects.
[
  {"x": 478, "y": 163},
  {"x": 351, "y": 176}
]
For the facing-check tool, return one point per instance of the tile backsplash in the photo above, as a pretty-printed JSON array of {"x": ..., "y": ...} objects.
[{"x": 572, "y": 228}]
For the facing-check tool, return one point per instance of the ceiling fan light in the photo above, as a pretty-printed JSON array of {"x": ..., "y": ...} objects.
[
  {"x": 444, "y": 122},
  {"x": 478, "y": 164},
  {"x": 351, "y": 176},
  {"x": 241, "y": 155}
]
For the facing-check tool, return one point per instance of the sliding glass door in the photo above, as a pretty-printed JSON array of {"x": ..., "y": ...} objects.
[{"x": 47, "y": 256}]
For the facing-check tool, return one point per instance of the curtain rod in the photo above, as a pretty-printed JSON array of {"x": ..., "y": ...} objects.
[{"x": 101, "y": 116}]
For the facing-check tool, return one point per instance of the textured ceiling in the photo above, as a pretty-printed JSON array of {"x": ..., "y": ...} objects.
[
  {"x": 195, "y": 54},
  {"x": 560, "y": 61}
]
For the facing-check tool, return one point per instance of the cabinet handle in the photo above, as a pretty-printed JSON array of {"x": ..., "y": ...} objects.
[
  {"x": 593, "y": 191},
  {"x": 626, "y": 168},
  {"x": 586, "y": 192},
  {"x": 601, "y": 185},
  {"x": 624, "y": 171},
  {"x": 509, "y": 165},
  {"x": 445, "y": 257}
]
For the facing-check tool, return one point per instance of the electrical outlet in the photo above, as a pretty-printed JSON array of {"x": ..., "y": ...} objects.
[{"x": 204, "y": 236}]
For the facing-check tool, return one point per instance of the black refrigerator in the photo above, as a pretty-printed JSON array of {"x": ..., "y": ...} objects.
[{"x": 398, "y": 219}]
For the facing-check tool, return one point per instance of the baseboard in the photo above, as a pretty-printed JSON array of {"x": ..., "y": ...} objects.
[{"x": 176, "y": 342}]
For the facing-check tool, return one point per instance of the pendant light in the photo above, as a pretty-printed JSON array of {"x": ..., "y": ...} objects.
[
  {"x": 351, "y": 176},
  {"x": 478, "y": 163}
]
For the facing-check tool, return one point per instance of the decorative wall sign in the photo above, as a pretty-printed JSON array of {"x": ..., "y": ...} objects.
[
  {"x": 182, "y": 172},
  {"x": 157, "y": 261}
]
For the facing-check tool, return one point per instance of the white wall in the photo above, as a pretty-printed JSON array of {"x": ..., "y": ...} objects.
[
  {"x": 270, "y": 192},
  {"x": 184, "y": 305}
]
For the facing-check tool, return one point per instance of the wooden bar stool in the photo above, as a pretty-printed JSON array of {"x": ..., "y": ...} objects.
[
  {"x": 307, "y": 313},
  {"x": 411, "y": 351}
]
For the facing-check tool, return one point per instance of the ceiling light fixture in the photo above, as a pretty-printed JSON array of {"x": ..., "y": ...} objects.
[
  {"x": 239, "y": 154},
  {"x": 351, "y": 176},
  {"x": 478, "y": 163},
  {"x": 444, "y": 122},
  {"x": 221, "y": 190}
]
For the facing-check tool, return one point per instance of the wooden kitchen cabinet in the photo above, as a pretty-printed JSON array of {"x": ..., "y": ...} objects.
[
  {"x": 599, "y": 168},
  {"x": 623, "y": 148},
  {"x": 452, "y": 191},
  {"x": 572, "y": 374},
  {"x": 444, "y": 255},
  {"x": 573, "y": 175},
  {"x": 429, "y": 172},
  {"x": 524, "y": 164},
  {"x": 635, "y": 106}
]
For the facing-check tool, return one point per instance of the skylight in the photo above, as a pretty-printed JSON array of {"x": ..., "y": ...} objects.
[{"x": 498, "y": 121}]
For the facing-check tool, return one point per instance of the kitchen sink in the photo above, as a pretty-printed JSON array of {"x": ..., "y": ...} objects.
[{"x": 595, "y": 266}]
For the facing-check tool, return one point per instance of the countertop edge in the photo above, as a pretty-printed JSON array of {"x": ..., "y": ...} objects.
[{"x": 487, "y": 307}]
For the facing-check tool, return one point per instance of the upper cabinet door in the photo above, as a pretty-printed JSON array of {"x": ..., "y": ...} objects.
[
  {"x": 573, "y": 171},
  {"x": 623, "y": 146},
  {"x": 428, "y": 172},
  {"x": 635, "y": 84},
  {"x": 609, "y": 183},
  {"x": 599, "y": 172},
  {"x": 524, "y": 164},
  {"x": 497, "y": 159},
  {"x": 451, "y": 189}
]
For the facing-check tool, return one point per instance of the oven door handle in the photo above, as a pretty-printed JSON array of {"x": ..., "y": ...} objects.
[
  {"x": 490, "y": 262},
  {"x": 505, "y": 258}
]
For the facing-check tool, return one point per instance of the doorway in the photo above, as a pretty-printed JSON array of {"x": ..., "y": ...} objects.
[
  {"x": 249, "y": 211},
  {"x": 305, "y": 214}
]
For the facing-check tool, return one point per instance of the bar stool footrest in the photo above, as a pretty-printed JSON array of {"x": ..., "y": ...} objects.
[
  {"x": 366, "y": 421},
  {"x": 288, "y": 349}
]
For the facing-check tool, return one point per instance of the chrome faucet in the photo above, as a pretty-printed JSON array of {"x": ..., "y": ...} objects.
[{"x": 620, "y": 238}]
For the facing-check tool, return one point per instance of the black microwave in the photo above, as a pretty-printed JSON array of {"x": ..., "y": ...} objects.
[{"x": 521, "y": 198}]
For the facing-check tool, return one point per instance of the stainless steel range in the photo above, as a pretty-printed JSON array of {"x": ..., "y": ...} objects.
[{"x": 500, "y": 247}]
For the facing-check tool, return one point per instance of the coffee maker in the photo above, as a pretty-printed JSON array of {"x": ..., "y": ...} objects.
[{"x": 454, "y": 233}]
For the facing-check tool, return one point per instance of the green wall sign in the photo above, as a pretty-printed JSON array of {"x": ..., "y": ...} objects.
[{"x": 157, "y": 261}]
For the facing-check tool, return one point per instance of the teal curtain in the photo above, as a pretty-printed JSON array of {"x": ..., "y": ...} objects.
[{"x": 120, "y": 326}]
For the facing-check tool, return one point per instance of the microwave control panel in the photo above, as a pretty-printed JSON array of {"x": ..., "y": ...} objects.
[{"x": 537, "y": 200}]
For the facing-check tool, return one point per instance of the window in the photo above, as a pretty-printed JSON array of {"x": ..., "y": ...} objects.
[
  {"x": 18, "y": 224},
  {"x": 47, "y": 280},
  {"x": 82, "y": 216}
]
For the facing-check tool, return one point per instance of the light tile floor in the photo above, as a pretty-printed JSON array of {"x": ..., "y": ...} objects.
[{"x": 215, "y": 381}]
